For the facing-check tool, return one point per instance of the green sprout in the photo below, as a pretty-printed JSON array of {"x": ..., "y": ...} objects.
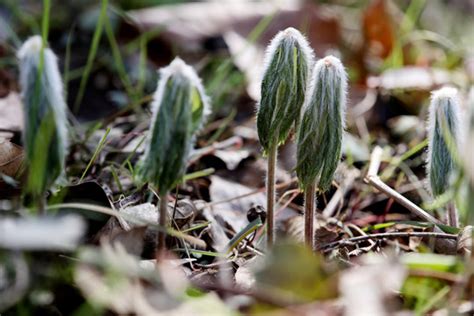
[
  {"x": 443, "y": 136},
  {"x": 287, "y": 63},
  {"x": 45, "y": 134},
  {"x": 320, "y": 133},
  {"x": 179, "y": 108}
]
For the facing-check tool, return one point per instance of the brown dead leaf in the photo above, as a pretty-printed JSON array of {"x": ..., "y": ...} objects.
[
  {"x": 11, "y": 158},
  {"x": 378, "y": 30},
  {"x": 324, "y": 232},
  {"x": 11, "y": 113}
]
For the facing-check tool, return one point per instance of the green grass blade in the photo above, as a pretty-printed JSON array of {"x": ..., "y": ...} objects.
[
  {"x": 92, "y": 53},
  {"x": 118, "y": 60},
  {"x": 96, "y": 153},
  {"x": 251, "y": 227}
]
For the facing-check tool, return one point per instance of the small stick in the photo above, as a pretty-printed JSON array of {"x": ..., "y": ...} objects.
[
  {"x": 453, "y": 218},
  {"x": 359, "y": 239},
  {"x": 373, "y": 179},
  {"x": 309, "y": 198}
]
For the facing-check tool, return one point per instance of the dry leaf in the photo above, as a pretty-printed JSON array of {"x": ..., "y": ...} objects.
[
  {"x": 189, "y": 24},
  {"x": 11, "y": 113},
  {"x": 128, "y": 294},
  {"x": 11, "y": 158},
  {"x": 378, "y": 30},
  {"x": 43, "y": 233},
  {"x": 410, "y": 78},
  {"x": 365, "y": 288},
  {"x": 244, "y": 276},
  {"x": 234, "y": 213},
  {"x": 132, "y": 240}
]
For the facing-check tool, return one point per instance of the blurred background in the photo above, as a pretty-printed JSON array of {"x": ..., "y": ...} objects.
[{"x": 396, "y": 46}]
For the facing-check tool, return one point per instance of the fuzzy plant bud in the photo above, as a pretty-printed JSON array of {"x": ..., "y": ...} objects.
[
  {"x": 443, "y": 137},
  {"x": 45, "y": 133},
  {"x": 179, "y": 108},
  {"x": 322, "y": 124},
  {"x": 287, "y": 63}
]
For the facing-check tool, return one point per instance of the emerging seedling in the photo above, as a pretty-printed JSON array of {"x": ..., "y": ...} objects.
[
  {"x": 45, "y": 133},
  {"x": 320, "y": 133},
  {"x": 443, "y": 137},
  {"x": 178, "y": 111},
  {"x": 287, "y": 63}
]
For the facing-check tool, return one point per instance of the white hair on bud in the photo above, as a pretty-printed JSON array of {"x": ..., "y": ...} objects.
[
  {"x": 32, "y": 46},
  {"x": 440, "y": 100},
  {"x": 29, "y": 56},
  {"x": 328, "y": 69},
  {"x": 290, "y": 35},
  {"x": 323, "y": 123},
  {"x": 443, "y": 101},
  {"x": 179, "y": 69}
]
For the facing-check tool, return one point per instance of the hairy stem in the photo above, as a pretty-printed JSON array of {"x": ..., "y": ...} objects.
[
  {"x": 162, "y": 219},
  {"x": 272, "y": 158},
  {"x": 453, "y": 218},
  {"x": 309, "y": 206}
]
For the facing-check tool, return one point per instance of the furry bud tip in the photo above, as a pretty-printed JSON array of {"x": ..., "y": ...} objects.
[
  {"x": 45, "y": 115},
  {"x": 319, "y": 137},
  {"x": 179, "y": 108},
  {"x": 286, "y": 67},
  {"x": 443, "y": 137}
]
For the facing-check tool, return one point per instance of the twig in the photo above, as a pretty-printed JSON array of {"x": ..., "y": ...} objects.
[
  {"x": 373, "y": 179},
  {"x": 359, "y": 239},
  {"x": 453, "y": 218}
]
